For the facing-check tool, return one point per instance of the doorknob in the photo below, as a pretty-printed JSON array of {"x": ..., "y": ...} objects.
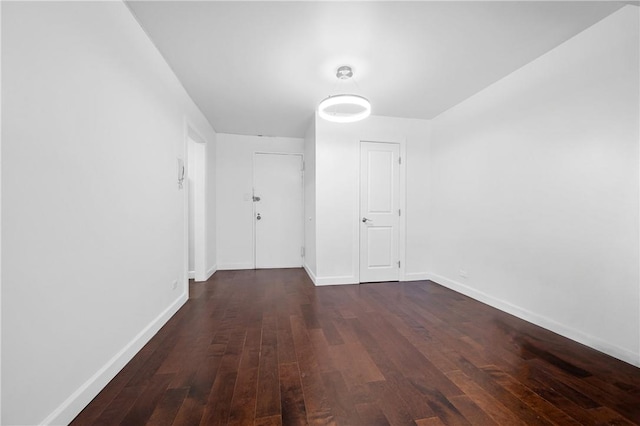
[
  {"x": 365, "y": 220},
  {"x": 258, "y": 217}
]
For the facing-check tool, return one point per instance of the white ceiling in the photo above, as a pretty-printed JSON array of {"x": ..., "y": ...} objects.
[{"x": 261, "y": 68}]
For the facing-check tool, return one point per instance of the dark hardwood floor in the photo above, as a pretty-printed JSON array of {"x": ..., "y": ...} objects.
[{"x": 267, "y": 348}]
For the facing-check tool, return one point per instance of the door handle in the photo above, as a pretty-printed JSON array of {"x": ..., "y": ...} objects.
[
  {"x": 258, "y": 217},
  {"x": 365, "y": 220}
]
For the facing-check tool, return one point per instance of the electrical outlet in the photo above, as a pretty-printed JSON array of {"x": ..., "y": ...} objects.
[
  {"x": 464, "y": 273},
  {"x": 174, "y": 285}
]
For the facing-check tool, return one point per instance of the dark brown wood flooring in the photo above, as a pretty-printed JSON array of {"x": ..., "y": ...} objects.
[{"x": 266, "y": 347}]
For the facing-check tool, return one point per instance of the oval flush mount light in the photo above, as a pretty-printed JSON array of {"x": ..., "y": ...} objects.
[{"x": 344, "y": 108}]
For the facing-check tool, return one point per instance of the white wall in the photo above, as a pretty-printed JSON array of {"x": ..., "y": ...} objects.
[
  {"x": 93, "y": 231},
  {"x": 535, "y": 190},
  {"x": 310, "y": 199},
  {"x": 337, "y": 194},
  {"x": 234, "y": 167}
]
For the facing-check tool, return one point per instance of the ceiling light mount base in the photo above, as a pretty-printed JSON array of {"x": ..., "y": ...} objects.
[{"x": 344, "y": 72}]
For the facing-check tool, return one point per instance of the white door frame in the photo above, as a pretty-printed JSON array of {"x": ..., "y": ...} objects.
[
  {"x": 253, "y": 204},
  {"x": 402, "y": 226},
  {"x": 199, "y": 149}
]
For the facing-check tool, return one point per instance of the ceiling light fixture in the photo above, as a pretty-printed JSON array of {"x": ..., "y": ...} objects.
[{"x": 344, "y": 108}]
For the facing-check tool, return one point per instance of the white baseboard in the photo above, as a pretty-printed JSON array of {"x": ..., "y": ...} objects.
[
  {"x": 211, "y": 271},
  {"x": 208, "y": 274},
  {"x": 416, "y": 276},
  {"x": 310, "y": 273},
  {"x": 340, "y": 280},
  {"x": 539, "y": 320},
  {"x": 234, "y": 266},
  {"x": 79, "y": 399},
  {"x": 320, "y": 281}
]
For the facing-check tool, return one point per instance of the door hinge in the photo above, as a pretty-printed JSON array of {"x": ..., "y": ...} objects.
[
  {"x": 398, "y": 263},
  {"x": 301, "y": 251},
  {"x": 399, "y": 212},
  {"x": 399, "y": 160}
]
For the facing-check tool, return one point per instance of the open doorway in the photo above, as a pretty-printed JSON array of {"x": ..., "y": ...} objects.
[{"x": 196, "y": 206}]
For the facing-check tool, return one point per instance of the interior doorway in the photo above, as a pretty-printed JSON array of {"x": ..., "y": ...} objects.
[
  {"x": 278, "y": 210},
  {"x": 196, "y": 214},
  {"x": 380, "y": 211}
]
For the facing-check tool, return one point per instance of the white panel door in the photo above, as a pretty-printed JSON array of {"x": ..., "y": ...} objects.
[
  {"x": 277, "y": 185},
  {"x": 379, "y": 211}
]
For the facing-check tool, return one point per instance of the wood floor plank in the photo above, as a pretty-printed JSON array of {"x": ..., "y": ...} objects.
[
  {"x": 269, "y": 421},
  {"x": 220, "y": 395},
  {"x": 606, "y": 416},
  {"x": 594, "y": 392},
  {"x": 167, "y": 409},
  {"x": 330, "y": 331},
  {"x": 356, "y": 362},
  {"x": 555, "y": 397},
  {"x": 147, "y": 401},
  {"x": 340, "y": 399},
  {"x": 195, "y": 403},
  {"x": 445, "y": 410},
  {"x": 410, "y": 361},
  {"x": 526, "y": 395},
  {"x": 267, "y": 347},
  {"x": 321, "y": 349},
  {"x": 118, "y": 408},
  {"x": 268, "y": 402},
  {"x": 317, "y": 406},
  {"x": 471, "y": 411},
  {"x": 218, "y": 408},
  {"x": 371, "y": 414},
  {"x": 514, "y": 404},
  {"x": 393, "y": 407},
  {"x": 189, "y": 413},
  {"x": 431, "y": 421},
  {"x": 291, "y": 395},
  {"x": 286, "y": 350},
  {"x": 243, "y": 404},
  {"x": 487, "y": 403}
]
